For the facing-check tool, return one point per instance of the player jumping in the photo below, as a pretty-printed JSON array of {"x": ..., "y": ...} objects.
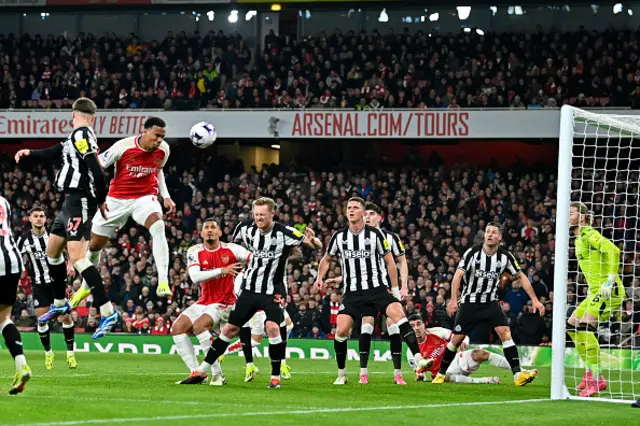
[
  {"x": 433, "y": 342},
  {"x": 133, "y": 193},
  {"x": 213, "y": 265},
  {"x": 599, "y": 261},
  {"x": 81, "y": 179}
]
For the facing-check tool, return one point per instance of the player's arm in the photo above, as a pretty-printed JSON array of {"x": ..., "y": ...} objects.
[
  {"x": 46, "y": 153},
  {"x": 310, "y": 239},
  {"x": 610, "y": 261},
  {"x": 514, "y": 269},
  {"x": 85, "y": 142},
  {"x": 242, "y": 254},
  {"x": 295, "y": 255},
  {"x": 400, "y": 255},
  {"x": 162, "y": 184},
  {"x": 325, "y": 262},
  {"x": 446, "y": 335}
]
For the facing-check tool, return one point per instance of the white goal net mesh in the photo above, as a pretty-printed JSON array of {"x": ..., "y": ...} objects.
[{"x": 602, "y": 358}]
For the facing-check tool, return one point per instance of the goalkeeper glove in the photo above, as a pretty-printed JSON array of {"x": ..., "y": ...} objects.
[
  {"x": 607, "y": 288},
  {"x": 396, "y": 293}
]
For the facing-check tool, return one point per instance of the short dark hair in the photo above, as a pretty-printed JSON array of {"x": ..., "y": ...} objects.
[
  {"x": 373, "y": 207},
  {"x": 357, "y": 200},
  {"x": 415, "y": 317},
  {"x": 85, "y": 106},
  {"x": 210, "y": 219},
  {"x": 151, "y": 122},
  {"x": 495, "y": 225},
  {"x": 35, "y": 208}
]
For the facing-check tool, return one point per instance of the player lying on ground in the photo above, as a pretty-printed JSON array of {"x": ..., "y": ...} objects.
[
  {"x": 11, "y": 268},
  {"x": 263, "y": 287},
  {"x": 373, "y": 217},
  {"x": 255, "y": 330},
  {"x": 481, "y": 268},
  {"x": 599, "y": 261},
  {"x": 33, "y": 246},
  {"x": 133, "y": 192},
  {"x": 81, "y": 179},
  {"x": 433, "y": 342},
  {"x": 369, "y": 273},
  {"x": 213, "y": 265}
]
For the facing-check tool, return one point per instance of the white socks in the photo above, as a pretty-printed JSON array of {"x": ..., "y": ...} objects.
[
  {"x": 160, "y": 249},
  {"x": 498, "y": 361},
  {"x": 21, "y": 361},
  {"x": 186, "y": 351},
  {"x": 106, "y": 309}
]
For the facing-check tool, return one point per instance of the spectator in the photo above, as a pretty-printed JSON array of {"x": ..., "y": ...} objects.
[
  {"x": 530, "y": 326},
  {"x": 516, "y": 297},
  {"x": 316, "y": 333}
]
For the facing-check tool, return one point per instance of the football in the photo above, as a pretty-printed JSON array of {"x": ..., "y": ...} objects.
[{"x": 203, "y": 135}]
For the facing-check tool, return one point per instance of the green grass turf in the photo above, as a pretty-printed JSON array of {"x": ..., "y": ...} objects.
[{"x": 139, "y": 390}]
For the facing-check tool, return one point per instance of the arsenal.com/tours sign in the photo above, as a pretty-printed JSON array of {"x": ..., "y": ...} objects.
[{"x": 255, "y": 124}]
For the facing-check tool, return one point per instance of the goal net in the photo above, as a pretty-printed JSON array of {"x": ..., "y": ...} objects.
[{"x": 598, "y": 165}]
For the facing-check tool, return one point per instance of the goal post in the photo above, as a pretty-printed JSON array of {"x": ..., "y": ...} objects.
[{"x": 598, "y": 164}]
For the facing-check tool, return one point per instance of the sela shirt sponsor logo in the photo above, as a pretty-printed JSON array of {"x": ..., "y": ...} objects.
[
  {"x": 486, "y": 274},
  {"x": 357, "y": 254}
]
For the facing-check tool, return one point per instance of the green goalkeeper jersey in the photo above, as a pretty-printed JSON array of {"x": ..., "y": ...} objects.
[{"x": 598, "y": 258}]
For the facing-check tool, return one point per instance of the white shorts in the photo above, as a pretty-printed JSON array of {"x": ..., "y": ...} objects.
[
  {"x": 257, "y": 323},
  {"x": 463, "y": 364},
  {"x": 120, "y": 210},
  {"x": 219, "y": 313}
]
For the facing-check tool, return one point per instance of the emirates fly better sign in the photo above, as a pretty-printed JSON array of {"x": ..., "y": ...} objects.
[{"x": 259, "y": 124}]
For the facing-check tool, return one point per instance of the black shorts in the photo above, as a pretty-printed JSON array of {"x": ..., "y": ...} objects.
[
  {"x": 42, "y": 296},
  {"x": 9, "y": 289},
  {"x": 74, "y": 221},
  {"x": 249, "y": 303},
  {"x": 366, "y": 303},
  {"x": 471, "y": 314}
]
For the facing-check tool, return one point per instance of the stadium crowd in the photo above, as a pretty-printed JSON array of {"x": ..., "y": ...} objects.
[
  {"x": 354, "y": 71},
  {"x": 438, "y": 213}
]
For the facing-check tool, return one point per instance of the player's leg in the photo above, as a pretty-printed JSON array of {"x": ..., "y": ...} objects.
[
  {"x": 57, "y": 268},
  {"x": 11, "y": 335},
  {"x": 149, "y": 208},
  {"x": 180, "y": 333},
  {"x": 468, "y": 362},
  {"x": 344, "y": 325},
  {"x": 478, "y": 356},
  {"x": 395, "y": 344},
  {"x": 385, "y": 302},
  {"x": 100, "y": 232},
  {"x": 42, "y": 298},
  {"x": 285, "y": 329},
  {"x": 246, "y": 306},
  {"x": 69, "y": 339},
  {"x": 215, "y": 317},
  {"x": 277, "y": 349},
  {"x": 364, "y": 345},
  {"x": 465, "y": 321}
]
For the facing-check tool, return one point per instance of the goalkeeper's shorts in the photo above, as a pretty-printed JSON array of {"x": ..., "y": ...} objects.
[{"x": 599, "y": 307}]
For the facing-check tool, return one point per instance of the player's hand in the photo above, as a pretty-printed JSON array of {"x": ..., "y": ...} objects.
[
  {"x": 319, "y": 285},
  {"x": 103, "y": 210},
  {"x": 537, "y": 306},
  {"x": 71, "y": 271},
  {"x": 606, "y": 289},
  {"x": 233, "y": 269},
  {"x": 452, "y": 307},
  {"x": 170, "y": 206},
  {"x": 333, "y": 281},
  {"x": 404, "y": 292},
  {"x": 463, "y": 346},
  {"x": 22, "y": 153}
]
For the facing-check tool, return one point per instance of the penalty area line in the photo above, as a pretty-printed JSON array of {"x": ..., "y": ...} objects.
[{"x": 279, "y": 413}]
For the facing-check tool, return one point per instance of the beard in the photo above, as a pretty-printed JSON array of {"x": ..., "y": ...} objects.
[{"x": 210, "y": 241}]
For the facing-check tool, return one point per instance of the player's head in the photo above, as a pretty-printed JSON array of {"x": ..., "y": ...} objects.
[
  {"x": 211, "y": 232},
  {"x": 372, "y": 214},
  {"x": 83, "y": 112},
  {"x": 153, "y": 133},
  {"x": 579, "y": 215},
  {"x": 37, "y": 218},
  {"x": 418, "y": 326},
  {"x": 493, "y": 234},
  {"x": 264, "y": 209},
  {"x": 355, "y": 210}
]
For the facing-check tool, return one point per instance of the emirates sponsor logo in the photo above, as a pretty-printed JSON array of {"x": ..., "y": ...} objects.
[{"x": 139, "y": 171}]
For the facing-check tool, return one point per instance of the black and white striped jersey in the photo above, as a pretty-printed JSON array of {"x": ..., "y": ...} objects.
[
  {"x": 74, "y": 173},
  {"x": 482, "y": 272},
  {"x": 267, "y": 269},
  {"x": 34, "y": 247},
  {"x": 240, "y": 233},
  {"x": 396, "y": 246},
  {"x": 10, "y": 258},
  {"x": 361, "y": 258}
]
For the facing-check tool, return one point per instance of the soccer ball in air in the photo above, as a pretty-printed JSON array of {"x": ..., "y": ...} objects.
[{"x": 203, "y": 135}]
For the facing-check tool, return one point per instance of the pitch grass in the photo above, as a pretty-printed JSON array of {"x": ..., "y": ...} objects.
[{"x": 139, "y": 390}]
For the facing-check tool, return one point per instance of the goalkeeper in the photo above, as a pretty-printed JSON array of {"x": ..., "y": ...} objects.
[{"x": 599, "y": 261}]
